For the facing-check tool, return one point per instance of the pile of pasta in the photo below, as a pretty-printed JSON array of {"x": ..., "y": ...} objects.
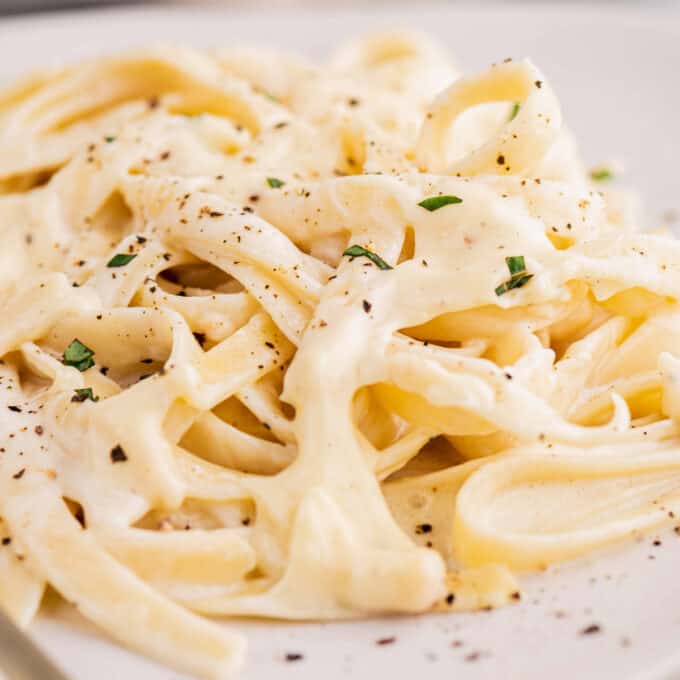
[{"x": 315, "y": 342}]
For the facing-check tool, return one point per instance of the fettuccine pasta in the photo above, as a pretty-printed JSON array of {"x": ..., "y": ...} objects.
[{"x": 316, "y": 342}]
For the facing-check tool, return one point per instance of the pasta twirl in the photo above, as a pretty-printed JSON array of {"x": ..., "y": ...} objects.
[{"x": 354, "y": 339}]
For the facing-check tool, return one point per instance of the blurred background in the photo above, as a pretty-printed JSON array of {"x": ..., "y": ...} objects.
[
  {"x": 8, "y": 7},
  {"x": 613, "y": 63}
]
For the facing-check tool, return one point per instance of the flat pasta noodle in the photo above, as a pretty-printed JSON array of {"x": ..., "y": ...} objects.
[{"x": 318, "y": 342}]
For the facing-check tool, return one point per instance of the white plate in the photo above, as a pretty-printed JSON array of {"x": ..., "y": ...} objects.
[{"x": 616, "y": 73}]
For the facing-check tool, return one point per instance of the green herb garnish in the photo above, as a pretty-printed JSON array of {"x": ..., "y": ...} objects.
[
  {"x": 360, "y": 251},
  {"x": 514, "y": 111},
  {"x": 78, "y": 355},
  {"x": 601, "y": 174},
  {"x": 435, "y": 202},
  {"x": 121, "y": 259},
  {"x": 83, "y": 394},
  {"x": 514, "y": 282},
  {"x": 516, "y": 264},
  {"x": 109, "y": 138},
  {"x": 518, "y": 275},
  {"x": 275, "y": 182}
]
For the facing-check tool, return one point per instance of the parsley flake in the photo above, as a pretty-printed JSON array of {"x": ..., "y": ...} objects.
[
  {"x": 435, "y": 202},
  {"x": 121, "y": 259},
  {"x": 78, "y": 355},
  {"x": 83, "y": 394},
  {"x": 109, "y": 139},
  {"x": 359, "y": 251},
  {"x": 514, "y": 282},
  {"x": 518, "y": 275},
  {"x": 514, "y": 111},
  {"x": 516, "y": 264},
  {"x": 601, "y": 174},
  {"x": 275, "y": 182}
]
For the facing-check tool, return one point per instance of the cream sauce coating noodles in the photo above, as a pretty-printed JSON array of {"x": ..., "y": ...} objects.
[{"x": 315, "y": 342}]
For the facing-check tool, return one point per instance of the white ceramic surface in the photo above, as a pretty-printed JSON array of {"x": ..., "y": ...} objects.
[{"x": 616, "y": 72}]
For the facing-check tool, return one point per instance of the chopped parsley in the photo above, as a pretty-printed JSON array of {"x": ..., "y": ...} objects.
[
  {"x": 109, "y": 139},
  {"x": 435, "y": 202},
  {"x": 514, "y": 111},
  {"x": 518, "y": 275},
  {"x": 78, "y": 355},
  {"x": 516, "y": 264},
  {"x": 359, "y": 251},
  {"x": 601, "y": 174},
  {"x": 514, "y": 282},
  {"x": 121, "y": 259},
  {"x": 83, "y": 394},
  {"x": 275, "y": 182}
]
